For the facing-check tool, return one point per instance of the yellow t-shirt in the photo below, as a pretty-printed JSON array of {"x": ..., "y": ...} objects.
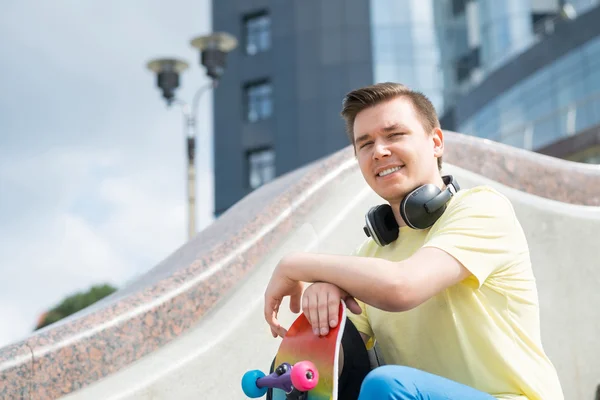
[{"x": 485, "y": 331}]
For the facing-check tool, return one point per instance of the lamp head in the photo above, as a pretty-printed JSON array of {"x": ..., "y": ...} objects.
[
  {"x": 167, "y": 72},
  {"x": 213, "y": 51}
]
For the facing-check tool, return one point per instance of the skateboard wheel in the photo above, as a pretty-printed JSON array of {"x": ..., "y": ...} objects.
[
  {"x": 305, "y": 376},
  {"x": 249, "y": 384}
]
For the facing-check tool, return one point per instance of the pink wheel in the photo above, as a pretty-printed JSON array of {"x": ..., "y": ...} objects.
[{"x": 305, "y": 376}]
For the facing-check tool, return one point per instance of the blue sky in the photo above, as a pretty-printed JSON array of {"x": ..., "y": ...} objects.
[{"x": 92, "y": 163}]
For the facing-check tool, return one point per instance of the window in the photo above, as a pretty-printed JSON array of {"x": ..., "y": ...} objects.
[
  {"x": 542, "y": 22},
  {"x": 261, "y": 167},
  {"x": 259, "y": 102},
  {"x": 459, "y": 6},
  {"x": 467, "y": 63},
  {"x": 257, "y": 30}
]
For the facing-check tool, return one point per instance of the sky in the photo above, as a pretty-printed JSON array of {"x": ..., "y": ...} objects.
[{"x": 92, "y": 162}]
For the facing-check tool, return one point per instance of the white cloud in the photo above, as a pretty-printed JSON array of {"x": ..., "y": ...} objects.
[
  {"x": 92, "y": 166},
  {"x": 16, "y": 322},
  {"x": 132, "y": 221}
]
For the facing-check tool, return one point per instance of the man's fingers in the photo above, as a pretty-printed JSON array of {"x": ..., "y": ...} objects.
[
  {"x": 305, "y": 306},
  {"x": 271, "y": 306},
  {"x": 276, "y": 328},
  {"x": 313, "y": 315},
  {"x": 295, "y": 303},
  {"x": 271, "y": 310},
  {"x": 278, "y": 332},
  {"x": 333, "y": 304},
  {"x": 323, "y": 311}
]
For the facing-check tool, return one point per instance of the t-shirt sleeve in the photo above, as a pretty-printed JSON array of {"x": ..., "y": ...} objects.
[
  {"x": 361, "y": 321},
  {"x": 479, "y": 229}
]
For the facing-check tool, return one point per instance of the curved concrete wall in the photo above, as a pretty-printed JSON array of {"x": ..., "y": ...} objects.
[{"x": 175, "y": 299}]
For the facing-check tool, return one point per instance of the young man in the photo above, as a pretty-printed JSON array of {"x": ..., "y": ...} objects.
[{"x": 453, "y": 306}]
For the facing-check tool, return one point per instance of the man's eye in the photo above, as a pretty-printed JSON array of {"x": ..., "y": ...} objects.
[{"x": 365, "y": 145}]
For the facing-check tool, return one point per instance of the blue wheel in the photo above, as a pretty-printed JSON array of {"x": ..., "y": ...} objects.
[{"x": 249, "y": 384}]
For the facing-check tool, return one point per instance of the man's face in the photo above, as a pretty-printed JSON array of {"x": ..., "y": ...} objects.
[{"x": 389, "y": 135}]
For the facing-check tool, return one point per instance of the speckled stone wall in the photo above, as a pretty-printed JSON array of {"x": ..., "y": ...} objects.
[
  {"x": 545, "y": 176},
  {"x": 179, "y": 291}
]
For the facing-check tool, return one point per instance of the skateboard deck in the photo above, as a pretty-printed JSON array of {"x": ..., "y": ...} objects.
[{"x": 300, "y": 343}]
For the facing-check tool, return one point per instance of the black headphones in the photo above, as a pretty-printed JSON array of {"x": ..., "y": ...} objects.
[{"x": 420, "y": 209}]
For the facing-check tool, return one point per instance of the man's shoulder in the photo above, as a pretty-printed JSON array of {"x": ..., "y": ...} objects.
[
  {"x": 479, "y": 198},
  {"x": 480, "y": 191},
  {"x": 481, "y": 207}
]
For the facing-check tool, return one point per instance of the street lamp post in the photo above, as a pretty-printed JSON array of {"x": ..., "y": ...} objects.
[{"x": 213, "y": 55}]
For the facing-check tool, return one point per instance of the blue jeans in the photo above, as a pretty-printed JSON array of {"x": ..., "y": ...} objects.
[{"x": 393, "y": 382}]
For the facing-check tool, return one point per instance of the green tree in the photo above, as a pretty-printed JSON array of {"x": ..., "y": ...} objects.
[{"x": 74, "y": 303}]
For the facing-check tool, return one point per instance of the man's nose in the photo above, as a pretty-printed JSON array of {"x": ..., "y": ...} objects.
[{"x": 380, "y": 151}]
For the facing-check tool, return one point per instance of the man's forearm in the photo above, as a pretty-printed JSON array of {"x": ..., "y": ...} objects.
[{"x": 372, "y": 280}]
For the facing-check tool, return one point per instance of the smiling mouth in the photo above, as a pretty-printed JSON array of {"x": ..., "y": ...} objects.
[{"x": 388, "y": 171}]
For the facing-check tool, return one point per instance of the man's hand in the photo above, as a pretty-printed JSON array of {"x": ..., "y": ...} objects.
[
  {"x": 320, "y": 304},
  {"x": 280, "y": 286}
]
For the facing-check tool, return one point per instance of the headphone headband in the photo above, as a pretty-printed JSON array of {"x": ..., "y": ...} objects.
[
  {"x": 440, "y": 200},
  {"x": 419, "y": 209}
]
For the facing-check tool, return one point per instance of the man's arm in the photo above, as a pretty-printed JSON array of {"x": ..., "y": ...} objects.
[{"x": 387, "y": 285}]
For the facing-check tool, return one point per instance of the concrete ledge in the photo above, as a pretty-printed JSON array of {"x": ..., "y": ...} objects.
[{"x": 175, "y": 295}]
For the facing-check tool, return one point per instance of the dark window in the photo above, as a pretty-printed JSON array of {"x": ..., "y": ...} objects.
[
  {"x": 466, "y": 64},
  {"x": 257, "y": 31},
  {"x": 258, "y": 101},
  {"x": 543, "y": 23},
  {"x": 261, "y": 167},
  {"x": 459, "y": 6}
]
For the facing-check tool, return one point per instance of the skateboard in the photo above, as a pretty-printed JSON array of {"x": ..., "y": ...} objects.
[{"x": 306, "y": 365}]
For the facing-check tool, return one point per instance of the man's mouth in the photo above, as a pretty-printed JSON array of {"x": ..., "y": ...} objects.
[{"x": 388, "y": 171}]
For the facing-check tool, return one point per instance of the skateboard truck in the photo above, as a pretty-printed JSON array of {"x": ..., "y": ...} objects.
[{"x": 295, "y": 380}]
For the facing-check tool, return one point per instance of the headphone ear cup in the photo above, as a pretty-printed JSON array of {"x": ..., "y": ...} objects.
[
  {"x": 413, "y": 210},
  {"x": 381, "y": 225},
  {"x": 422, "y": 207}
]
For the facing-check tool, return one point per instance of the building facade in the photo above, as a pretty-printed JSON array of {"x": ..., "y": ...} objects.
[
  {"x": 544, "y": 96},
  {"x": 278, "y": 106}
]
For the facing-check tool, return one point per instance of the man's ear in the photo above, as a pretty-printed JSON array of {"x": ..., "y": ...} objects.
[{"x": 438, "y": 142}]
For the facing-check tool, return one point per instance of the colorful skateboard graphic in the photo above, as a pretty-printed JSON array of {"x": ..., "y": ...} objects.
[{"x": 305, "y": 359}]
